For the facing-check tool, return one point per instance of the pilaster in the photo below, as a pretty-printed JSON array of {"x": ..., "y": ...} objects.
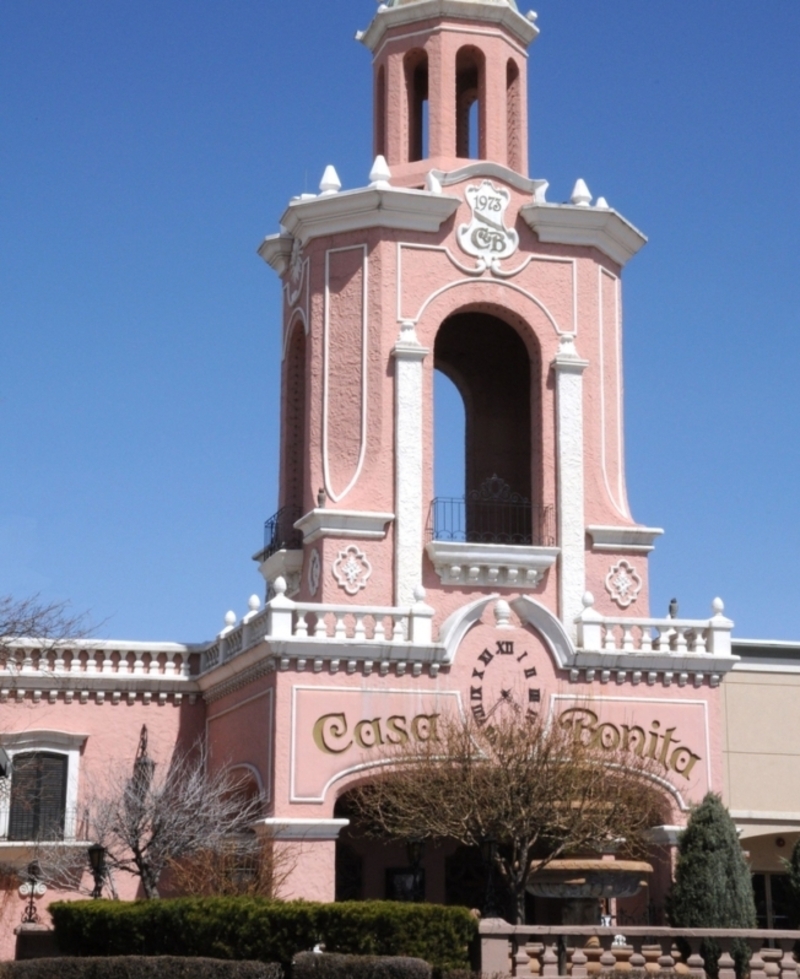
[
  {"x": 408, "y": 537},
  {"x": 569, "y": 368}
]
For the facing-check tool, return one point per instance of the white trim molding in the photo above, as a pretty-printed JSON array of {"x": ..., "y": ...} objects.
[
  {"x": 490, "y": 565},
  {"x": 572, "y": 224},
  {"x": 408, "y": 354},
  {"x": 356, "y": 210},
  {"x": 569, "y": 368},
  {"x": 490, "y": 11},
  {"x": 283, "y": 564},
  {"x": 308, "y": 830},
  {"x": 636, "y": 540},
  {"x": 350, "y": 524}
]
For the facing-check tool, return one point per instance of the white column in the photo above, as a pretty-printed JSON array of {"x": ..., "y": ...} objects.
[
  {"x": 408, "y": 526},
  {"x": 569, "y": 368}
]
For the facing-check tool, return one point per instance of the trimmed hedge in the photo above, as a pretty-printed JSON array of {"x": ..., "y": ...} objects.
[
  {"x": 137, "y": 967},
  {"x": 330, "y": 965},
  {"x": 267, "y": 931}
]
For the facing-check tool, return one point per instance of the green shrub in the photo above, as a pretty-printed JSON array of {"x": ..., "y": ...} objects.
[
  {"x": 713, "y": 887},
  {"x": 267, "y": 931},
  {"x": 137, "y": 967},
  {"x": 330, "y": 965}
]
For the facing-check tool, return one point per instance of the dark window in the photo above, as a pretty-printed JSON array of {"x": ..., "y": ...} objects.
[{"x": 38, "y": 796}]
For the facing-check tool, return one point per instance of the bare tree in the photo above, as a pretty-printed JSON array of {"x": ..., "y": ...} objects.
[
  {"x": 256, "y": 866},
  {"x": 47, "y": 623},
  {"x": 534, "y": 792},
  {"x": 160, "y": 816}
]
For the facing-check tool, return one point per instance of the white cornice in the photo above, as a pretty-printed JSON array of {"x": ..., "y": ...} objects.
[
  {"x": 485, "y": 168},
  {"x": 635, "y": 539},
  {"x": 276, "y": 250},
  {"x": 485, "y": 11},
  {"x": 370, "y": 207},
  {"x": 288, "y": 828},
  {"x": 495, "y": 565},
  {"x": 356, "y": 524},
  {"x": 571, "y": 224}
]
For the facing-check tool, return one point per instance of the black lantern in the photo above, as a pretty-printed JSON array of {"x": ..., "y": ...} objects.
[
  {"x": 415, "y": 850},
  {"x": 143, "y": 767},
  {"x": 491, "y": 908},
  {"x": 97, "y": 863},
  {"x": 33, "y": 888}
]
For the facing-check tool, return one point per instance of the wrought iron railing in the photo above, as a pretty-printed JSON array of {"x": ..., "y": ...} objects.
[
  {"x": 492, "y": 514},
  {"x": 280, "y": 533},
  {"x": 37, "y": 823}
]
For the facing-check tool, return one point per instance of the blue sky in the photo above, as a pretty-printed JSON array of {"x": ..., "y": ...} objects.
[{"x": 145, "y": 150}]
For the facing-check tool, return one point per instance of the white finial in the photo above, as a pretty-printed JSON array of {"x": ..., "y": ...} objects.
[
  {"x": 230, "y": 619},
  {"x": 580, "y": 194},
  {"x": 419, "y": 594},
  {"x": 718, "y": 606},
  {"x": 502, "y": 614},
  {"x": 432, "y": 183},
  {"x": 254, "y": 603},
  {"x": 330, "y": 183},
  {"x": 279, "y": 585},
  {"x": 602, "y": 203},
  {"x": 380, "y": 175},
  {"x": 532, "y": 16},
  {"x": 588, "y": 599}
]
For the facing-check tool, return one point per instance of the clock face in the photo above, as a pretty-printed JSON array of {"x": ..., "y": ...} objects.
[{"x": 505, "y": 673}]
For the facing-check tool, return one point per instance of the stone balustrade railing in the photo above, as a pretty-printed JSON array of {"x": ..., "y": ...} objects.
[
  {"x": 699, "y": 646},
  {"x": 83, "y": 658},
  {"x": 309, "y": 630},
  {"x": 555, "y": 952}
]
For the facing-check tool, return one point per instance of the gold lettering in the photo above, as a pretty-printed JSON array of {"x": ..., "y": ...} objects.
[
  {"x": 580, "y": 720},
  {"x": 423, "y": 727},
  {"x": 607, "y": 737},
  {"x": 654, "y": 736},
  {"x": 683, "y": 761},
  {"x": 628, "y": 736},
  {"x": 375, "y": 739},
  {"x": 333, "y": 726},
  {"x": 396, "y": 724},
  {"x": 662, "y": 758}
]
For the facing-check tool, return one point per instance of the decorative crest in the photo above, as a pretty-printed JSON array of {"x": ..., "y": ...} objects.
[{"x": 486, "y": 237}]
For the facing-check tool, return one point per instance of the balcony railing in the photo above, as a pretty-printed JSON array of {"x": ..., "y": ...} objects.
[
  {"x": 492, "y": 514},
  {"x": 280, "y": 533},
  {"x": 555, "y": 952}
]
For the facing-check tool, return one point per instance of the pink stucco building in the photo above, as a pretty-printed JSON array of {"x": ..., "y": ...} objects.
[{"x": 386, "y": 605}]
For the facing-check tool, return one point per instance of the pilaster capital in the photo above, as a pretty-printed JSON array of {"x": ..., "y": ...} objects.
[
  {"x": 567, "y": 360},
  {"x": 408, "y": 346}
]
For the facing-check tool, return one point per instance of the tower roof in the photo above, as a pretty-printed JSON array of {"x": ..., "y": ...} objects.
[{"x": 393, "y": 13}]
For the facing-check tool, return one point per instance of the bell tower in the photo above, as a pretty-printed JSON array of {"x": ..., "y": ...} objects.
[
  {"x": 452, "y": 260},
  {"x": 450, "y": 84}
]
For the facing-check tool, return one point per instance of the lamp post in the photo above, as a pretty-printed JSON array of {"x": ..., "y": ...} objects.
[
  {"x": 32, "y": 888},
  {"x": 97, "y": 862},
  {"x": 415, "y": 850},
  {"x": 488, "y": 854}
]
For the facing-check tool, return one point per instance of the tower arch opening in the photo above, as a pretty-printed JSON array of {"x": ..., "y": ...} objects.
[
  {"x": 380, "y": 112},
  {"x": 497, "y": 375},
  {"x": 416, "y": 72},
  {"x": 470, "y": 103},
  {"x": 293, "y": 443},
  {"x": 513, "y": 113}
]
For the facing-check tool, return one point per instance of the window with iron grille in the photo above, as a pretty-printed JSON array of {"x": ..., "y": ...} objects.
[{"x": 37, "y": 808}]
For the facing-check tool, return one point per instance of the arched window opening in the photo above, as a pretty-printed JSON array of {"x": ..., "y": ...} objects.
[
  {"x": 380, "y": 112},
  {"x": 470, "y": 104},
  {"x": 38, "y": 804},
  {"x": 449, "y": 438},
  {"x": 489, "y": 364},
  {"x": 280, "y": 532},
  {"x": 416, "y": 68},
  {"x": 513, "y": 111}
]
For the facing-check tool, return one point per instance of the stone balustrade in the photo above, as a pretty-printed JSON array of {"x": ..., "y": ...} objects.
[
  {"x": 579, "y": 952},
  {"x": 84, "y": 658},
  {"x": 309, "y": 631}
]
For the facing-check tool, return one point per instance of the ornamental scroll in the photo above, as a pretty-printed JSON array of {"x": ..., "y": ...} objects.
[{"x": 486, "y": 237}]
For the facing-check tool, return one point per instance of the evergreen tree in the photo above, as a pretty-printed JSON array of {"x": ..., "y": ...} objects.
[
  {"x": 713, "y": 887},
  {"x": 792, "y": 866}
]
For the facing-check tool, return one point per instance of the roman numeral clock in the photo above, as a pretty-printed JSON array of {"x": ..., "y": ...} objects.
[{"x": 505, "y": 672}]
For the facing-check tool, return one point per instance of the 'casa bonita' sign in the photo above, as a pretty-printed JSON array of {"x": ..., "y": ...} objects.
[{"x": 335, "y": 734}]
